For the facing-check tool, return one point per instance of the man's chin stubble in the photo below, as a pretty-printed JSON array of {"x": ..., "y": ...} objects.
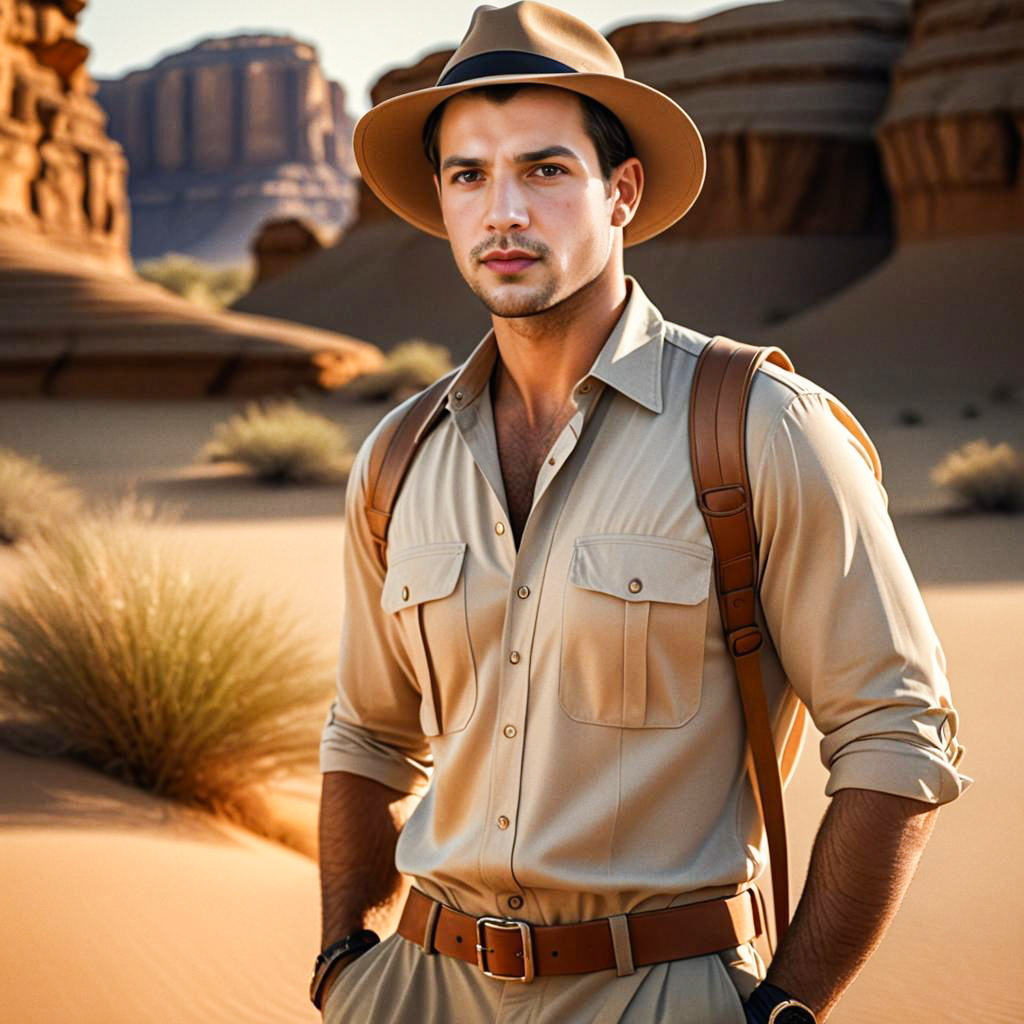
[{"x": 531, "y": 304}]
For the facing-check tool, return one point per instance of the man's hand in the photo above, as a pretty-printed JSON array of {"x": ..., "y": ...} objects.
[{"x": 864, "y": 857}]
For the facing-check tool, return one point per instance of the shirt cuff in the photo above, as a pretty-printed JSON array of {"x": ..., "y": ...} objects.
[
  {"x": 349, "y": 748},
  {"x": 917, "y": 774}
]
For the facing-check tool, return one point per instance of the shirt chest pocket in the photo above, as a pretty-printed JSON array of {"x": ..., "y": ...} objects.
[
  {"x": 634, "y": 616},
  {"x": 425, "y": 588}
]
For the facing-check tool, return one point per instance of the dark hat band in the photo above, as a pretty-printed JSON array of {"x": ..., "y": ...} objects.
[{"x": 503, "y": 62}]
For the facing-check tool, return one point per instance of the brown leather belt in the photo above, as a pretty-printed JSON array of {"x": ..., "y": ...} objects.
[{"x": 513, "y": 950}]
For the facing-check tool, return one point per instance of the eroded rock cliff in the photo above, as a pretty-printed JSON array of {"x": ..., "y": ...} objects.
[
  {"x": 951, "y": 133},
  {"x": 226, "y": 135},
  {"x": 61, "y": 176}
]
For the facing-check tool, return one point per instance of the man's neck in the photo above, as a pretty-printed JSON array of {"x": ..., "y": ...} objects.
[{"x": 543, "y": 356}]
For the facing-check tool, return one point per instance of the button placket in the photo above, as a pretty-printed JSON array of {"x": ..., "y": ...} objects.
[{"x": 520, "y": 622}]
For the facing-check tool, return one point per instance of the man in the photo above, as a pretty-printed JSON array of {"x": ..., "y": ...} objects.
[{"x": 542, "y": 662}]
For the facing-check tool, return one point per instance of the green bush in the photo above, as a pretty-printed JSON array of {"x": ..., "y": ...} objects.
[
  {"x": 214, "y": 287},
  {"x": 160, "y": 675},
  {"x": 282, "y": 443},
  {"x": 33, "y": 501},
  {"x": 987, "y": 477},
  {"x": 408, "y": 368}
]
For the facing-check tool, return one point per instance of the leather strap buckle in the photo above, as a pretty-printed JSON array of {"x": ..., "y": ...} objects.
[
  {"x": 726, "y": 500},
  {"x": 505, "y": 924},
  {"x": 744, "y": 641}
]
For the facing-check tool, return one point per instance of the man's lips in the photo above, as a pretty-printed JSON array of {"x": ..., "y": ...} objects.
[{"x": 512, "y": 262}]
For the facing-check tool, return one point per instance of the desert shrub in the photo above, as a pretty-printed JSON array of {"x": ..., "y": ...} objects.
[
  {"x": 988, "y": 477},
  {"x": 162, "y": 676},
  {"x": 408, "y": 368},
  {"x": 281, "y": 442},
  {"x": 204, "y": 283},
  {"x": 33, "y": 501}
]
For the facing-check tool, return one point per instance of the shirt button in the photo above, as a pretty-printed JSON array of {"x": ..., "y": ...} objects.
[
  {"x": 405, "y": 593},
  {"x": 635, "y": 586},
  {"x": 584, "y": 387},
  {"x": 458, "y": 396},
  {"x": 514, "y": 657},
  {"x": 503, "y": 822},
  {"x": 499, "y": 528},
  {"x": 551, "y": 461},
  {"x": 523, "y": 592},
  {"x": 515, "y": 902},
  {"x": 509, "y": 731}
]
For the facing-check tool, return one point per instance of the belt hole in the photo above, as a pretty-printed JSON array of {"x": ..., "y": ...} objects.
[
  {"x": 554, "y": 952},
  {"x": 458, "y": 938}
]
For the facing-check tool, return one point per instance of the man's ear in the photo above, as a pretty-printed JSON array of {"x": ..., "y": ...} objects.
[
  {"x": 437, "y": 187},
  {"x": 625, "y": 190}
]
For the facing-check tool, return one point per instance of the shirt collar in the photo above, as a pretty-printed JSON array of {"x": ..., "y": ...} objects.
[{"x": 629, "y": 360}]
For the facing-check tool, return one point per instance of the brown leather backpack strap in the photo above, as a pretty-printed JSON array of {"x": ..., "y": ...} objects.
[
  {"x": 392, "y": 452},
  {"x": 718, "y": 413}
]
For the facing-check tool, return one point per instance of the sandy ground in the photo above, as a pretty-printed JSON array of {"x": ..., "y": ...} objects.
[{"x": 118, "y": 908}]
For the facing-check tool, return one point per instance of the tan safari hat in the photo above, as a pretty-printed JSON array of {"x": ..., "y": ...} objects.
[{"x": 524, "y": 43}]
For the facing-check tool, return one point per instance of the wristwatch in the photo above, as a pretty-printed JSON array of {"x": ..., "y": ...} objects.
[
  {"x": 358, "y": 943},
  {"x": 792, "y": 1012},
  {"x": 769, "y": 1004}
]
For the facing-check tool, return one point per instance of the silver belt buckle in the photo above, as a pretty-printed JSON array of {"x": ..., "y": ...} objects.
[{"x": 510, "y": 925}]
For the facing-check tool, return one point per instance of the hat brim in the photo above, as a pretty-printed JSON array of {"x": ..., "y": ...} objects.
[{"x": 388, "y": 148}]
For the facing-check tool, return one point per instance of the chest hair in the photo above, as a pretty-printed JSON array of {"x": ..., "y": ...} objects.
[{"x": 521, "y": 452}]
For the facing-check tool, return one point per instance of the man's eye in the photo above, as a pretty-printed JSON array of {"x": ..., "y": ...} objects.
[
  {"x": 461, "y": 176},
  {"x": 550, "y": 170}
]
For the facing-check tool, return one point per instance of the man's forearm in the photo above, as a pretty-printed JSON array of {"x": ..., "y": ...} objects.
[
  {"x": 864, "y": 857},
  {"x": 360, "y": 820}
]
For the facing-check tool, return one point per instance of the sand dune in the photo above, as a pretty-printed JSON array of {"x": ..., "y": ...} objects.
[{"x": 120, "y": 908}]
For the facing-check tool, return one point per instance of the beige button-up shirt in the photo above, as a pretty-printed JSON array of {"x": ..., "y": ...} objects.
[{"x": 568, "y": 710}]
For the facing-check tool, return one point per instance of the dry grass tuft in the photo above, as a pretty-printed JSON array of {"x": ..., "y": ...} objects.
[
  {"x": 408, "y": 368},
  {"x": 283, "y": 443},
  {"x": 988, "y": 477},
  {"x": 33, "y": 501},
  {"x": 205, "y": 284},
  {"x": 159, "y": 675}
]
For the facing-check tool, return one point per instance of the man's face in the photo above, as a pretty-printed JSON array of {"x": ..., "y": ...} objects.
[{"x": 527, "y": 211}]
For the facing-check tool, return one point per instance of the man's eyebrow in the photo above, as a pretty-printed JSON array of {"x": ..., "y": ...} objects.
[
  {"x": 461, "y": 161},
  {"x": 520, "y": 158},
  {"x": 545, "y": 154}
]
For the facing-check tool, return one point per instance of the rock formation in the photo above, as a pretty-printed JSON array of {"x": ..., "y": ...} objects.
[
  {"x": 69, "y": 330},
  {"x": 226, "y": 135},
  {"x": 60, "y": 175},
  {"x": 73, "y": 318},
  {"x": 794, "y": 205},
  {"x": 952, "y": 131},
  {"x": 281, "y": 244},
  {"x": 942, "y": 315}
]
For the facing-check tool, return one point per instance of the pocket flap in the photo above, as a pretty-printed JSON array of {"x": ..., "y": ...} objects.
[
  {"x": 423, "y": 573},
  {"x": 639, "y": 568}
]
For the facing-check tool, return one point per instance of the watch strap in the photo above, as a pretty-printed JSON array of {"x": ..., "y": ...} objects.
[
  {"x": 353, "y": 945},
  {"x": 767, "y": 1005}
]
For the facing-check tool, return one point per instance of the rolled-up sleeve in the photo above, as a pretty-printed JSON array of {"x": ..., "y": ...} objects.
[
  {"x": 372, "y": 726},
  {"x": 844, "y": 611}
]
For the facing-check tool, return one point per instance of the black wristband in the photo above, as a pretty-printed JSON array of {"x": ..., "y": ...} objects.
[
  {"x": 762, "y": 1001},
  {"x": 358, "y": 943}
]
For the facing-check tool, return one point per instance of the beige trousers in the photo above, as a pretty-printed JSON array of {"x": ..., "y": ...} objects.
[{"x": 397, "y": 983}]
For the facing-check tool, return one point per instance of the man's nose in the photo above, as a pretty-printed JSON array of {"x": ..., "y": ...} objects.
[{"x": 507, "y": 210}]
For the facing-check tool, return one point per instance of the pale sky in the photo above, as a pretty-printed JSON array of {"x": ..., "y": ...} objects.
[{"x": 356, "y": 41}]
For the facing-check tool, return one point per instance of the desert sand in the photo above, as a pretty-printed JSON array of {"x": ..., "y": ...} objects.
[{"x": 117, "y": 907}]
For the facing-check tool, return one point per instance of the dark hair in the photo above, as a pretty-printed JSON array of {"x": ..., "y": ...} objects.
[{"x": 605, "y": 130}]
